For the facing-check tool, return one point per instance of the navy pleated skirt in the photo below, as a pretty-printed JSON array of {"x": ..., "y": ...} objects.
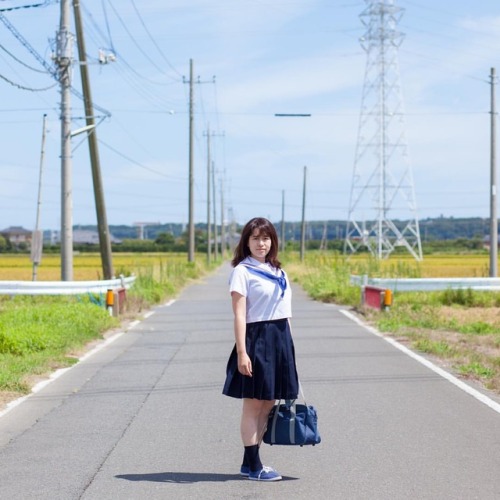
[{"x": 270, "y": 347}]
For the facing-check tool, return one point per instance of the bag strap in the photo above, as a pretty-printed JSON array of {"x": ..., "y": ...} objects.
[
  {"x": 291, "y": 428},
  {"x": 301, "y": 393},
  {"x": 291, "y": 405}
]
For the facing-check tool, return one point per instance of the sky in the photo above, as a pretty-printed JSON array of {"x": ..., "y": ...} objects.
[{"x": 252, "y": 59}]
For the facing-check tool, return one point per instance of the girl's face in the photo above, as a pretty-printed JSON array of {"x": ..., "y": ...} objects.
[{"x": 259, "y": 245}]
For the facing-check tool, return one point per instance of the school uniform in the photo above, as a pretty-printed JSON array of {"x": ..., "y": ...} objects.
[{"x": 269, "y": 343}]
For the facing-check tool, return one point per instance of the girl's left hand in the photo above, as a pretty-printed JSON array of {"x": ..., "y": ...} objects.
[{"x": 244, "y": 365}]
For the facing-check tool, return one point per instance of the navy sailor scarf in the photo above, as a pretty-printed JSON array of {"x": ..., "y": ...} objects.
[{"x": 281, "y": 280}]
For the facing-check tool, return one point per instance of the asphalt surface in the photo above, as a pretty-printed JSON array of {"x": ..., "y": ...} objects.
[{"x": 144, "y": 418}]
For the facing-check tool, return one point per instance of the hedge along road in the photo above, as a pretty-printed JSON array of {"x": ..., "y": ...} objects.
[{"x": 144, "y": 417}]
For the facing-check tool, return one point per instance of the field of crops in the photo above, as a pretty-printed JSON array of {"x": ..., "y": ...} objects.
[
  {"x": 88, "y": 266},
  {"x": 433, "y": 266},
  {"x": 450, "y": 266},
  {"x": 85, "y": 266}
]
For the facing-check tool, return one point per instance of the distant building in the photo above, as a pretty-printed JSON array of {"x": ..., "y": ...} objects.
[
  {"x": 80, "y": 237},
  {"x": 17, "y": 235},
  {"x": 486, "y": 241}
]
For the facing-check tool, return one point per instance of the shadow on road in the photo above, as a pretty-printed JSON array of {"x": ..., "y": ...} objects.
[{"x": 187, "y": 477}]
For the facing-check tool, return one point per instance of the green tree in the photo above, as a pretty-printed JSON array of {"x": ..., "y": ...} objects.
[{"x": 166, "y": 240}]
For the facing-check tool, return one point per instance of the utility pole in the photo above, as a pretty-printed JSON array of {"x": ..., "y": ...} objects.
[
  {"x": 493, "y": 187},
  {"x": 191, "y": 235},
  {"x": 102, "y": 223},
  {"x": 232, "y": 230},
  {"x": 222, "y": 229},
  {"x": 283, "y": 220},
  {"x": 63, "y": 62},
  {"x": 323, "y": 245},
  {"x": 191, "y": 160},
  {"x": 303, "y": 230},
  {"x": 209, "y": 227},
  {"x": 216, "y": 244},
  {"x": 210, "y": 134},
  {"x": 37, "y": 239},
  {"x": 283, "y": 242}
]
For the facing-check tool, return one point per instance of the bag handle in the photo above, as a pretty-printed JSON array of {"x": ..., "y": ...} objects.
[
  {"x": 291, "y": 405},
  {"x": 291, "y": 429},
  {"x": 299, "y": 395}
]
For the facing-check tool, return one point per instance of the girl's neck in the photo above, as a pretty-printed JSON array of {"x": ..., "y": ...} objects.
[{"x": 262, "y": 261}]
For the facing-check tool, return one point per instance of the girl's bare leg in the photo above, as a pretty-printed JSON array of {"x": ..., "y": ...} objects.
[{"x": 254, "y": 419}]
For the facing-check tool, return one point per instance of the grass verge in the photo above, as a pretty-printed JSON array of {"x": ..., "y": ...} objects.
[
  {"x": 40, "y": 334},
  {"x": 464, "y": 337},
  {"x": 458, "y": 328}
]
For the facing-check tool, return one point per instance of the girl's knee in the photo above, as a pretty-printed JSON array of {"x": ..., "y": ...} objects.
[
  {"x": 270, "y": 404},
  {"x": 252, "y": 406},
  {"x": 257, "y": 406},
  {"x": 267, "y": 406}
]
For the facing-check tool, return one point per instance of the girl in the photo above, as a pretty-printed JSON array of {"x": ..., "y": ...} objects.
[{"x": 261, "y": 367}]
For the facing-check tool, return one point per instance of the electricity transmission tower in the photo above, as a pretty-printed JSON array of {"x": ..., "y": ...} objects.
[{"x": 382, "y": 182}]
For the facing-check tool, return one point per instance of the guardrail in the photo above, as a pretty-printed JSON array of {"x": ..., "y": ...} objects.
[
  {"x": 427, "y": 284},
  {"x": 64, "y": 287}
]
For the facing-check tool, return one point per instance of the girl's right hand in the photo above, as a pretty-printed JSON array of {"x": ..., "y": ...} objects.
[{"x": 244, "y": 365}]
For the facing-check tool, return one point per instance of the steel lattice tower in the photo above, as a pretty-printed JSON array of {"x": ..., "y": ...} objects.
[{"x": 382, "y": 180}]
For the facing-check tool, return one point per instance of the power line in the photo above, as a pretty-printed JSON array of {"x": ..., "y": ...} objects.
[
  {"x": 22, "y": 87},
  {"x": 152, "y": 39},
  {"x": 97, "y": 28},
  {"x": 127, "y": 72},
  {"x": 131, "y": 77},
  {"x": 31, "y": 6},
  {"x": 132, "y": 80},
  {"x": 21, "y": 62},
  {"x": 51, "y": 70},
  {"x": 162, "y": 174},
  {"x": 110, "y": 39},
  {"x": 143, "y": 52}
]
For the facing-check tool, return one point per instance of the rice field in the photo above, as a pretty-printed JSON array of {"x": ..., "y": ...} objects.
[
  {"x": 14, "y": 267},
  {"x": 86, "y": 267},
  {"x": 433, "y": 266}
]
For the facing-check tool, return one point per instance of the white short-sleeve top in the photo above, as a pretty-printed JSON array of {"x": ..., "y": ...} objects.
[{"x": 265, "y": 300}]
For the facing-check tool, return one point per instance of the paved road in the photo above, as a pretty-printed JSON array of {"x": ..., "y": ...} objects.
[{"x": 144, "y": 418}]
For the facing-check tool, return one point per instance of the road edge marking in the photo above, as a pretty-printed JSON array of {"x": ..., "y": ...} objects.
[
  {"x": 61, "y": 371},
  {"x": 429, "y": 364}
]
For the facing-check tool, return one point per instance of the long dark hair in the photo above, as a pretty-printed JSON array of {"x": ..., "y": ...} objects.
[{"x": 267, "y": 229}]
